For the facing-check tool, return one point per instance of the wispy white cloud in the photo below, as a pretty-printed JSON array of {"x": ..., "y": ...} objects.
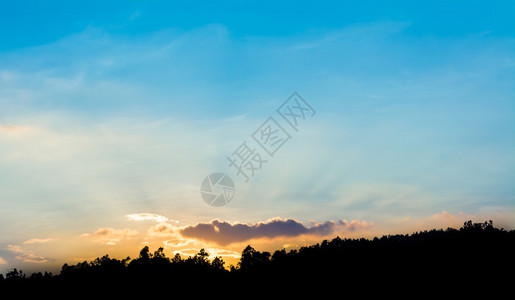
[
  {"x": 26, "y": 255},
  {"x": 111, "y": 236},
  {"x": 350, "y": 34},
  {"x": 31, "y": 257},
  {"x": 356, "y": 225},
  {"x": 13, "y": 129},
  {"x": 177, "y": 242},
  {"x": 37, "y": 241},
  {"x": 147, "y": 217},
  {"x": 162, "y": 230},
  {"x": 2, "y": 261},
  {"x": 14, "y": 248}
]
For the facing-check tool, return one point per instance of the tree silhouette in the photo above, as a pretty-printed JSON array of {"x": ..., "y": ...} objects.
[
  {"x": 200, "y": 259},
  {"x": 477, "y": 253},
  {"x": 250, "y": 258},
  {"x": 218, "y": 264},
  {"x": 14, "y": 274}
]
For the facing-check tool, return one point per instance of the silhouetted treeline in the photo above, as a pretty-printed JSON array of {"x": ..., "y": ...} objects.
[{"x": 478, "y": 255}]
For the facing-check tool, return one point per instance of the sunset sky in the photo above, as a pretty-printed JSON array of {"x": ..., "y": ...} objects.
[{"x": 112, "y": 113}]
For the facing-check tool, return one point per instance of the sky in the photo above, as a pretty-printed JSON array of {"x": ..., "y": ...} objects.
[{"x": 112, "y": 114}]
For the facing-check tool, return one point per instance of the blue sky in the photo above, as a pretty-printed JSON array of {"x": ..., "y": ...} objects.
[{"x": 110, "y": 109}]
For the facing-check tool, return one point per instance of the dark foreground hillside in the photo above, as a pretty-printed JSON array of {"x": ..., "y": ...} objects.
[{"x": 477, "y": 257}]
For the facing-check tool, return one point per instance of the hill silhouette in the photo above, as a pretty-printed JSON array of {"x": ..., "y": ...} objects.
[{"x": 477, "y": 256}]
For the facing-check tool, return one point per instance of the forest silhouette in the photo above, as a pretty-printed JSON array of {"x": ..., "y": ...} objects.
[{"x": 478, "y": 254}]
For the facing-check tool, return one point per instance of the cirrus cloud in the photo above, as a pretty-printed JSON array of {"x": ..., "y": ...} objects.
[
  {"x": 10, "y": 128},
  {"x": 110, "y": 236},
  {"x": 36, "y": 240},
  {"x": 31, "y": 257},
  {"x": 177, "y": 243},
  {"x": 355, "y": 224},
  {"x": 26, "y": 255},
  {"x": 147, "y": 217},
  {"x": 162, "y": 229}
]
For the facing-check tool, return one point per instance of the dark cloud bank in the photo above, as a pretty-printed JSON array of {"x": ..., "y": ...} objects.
[{"x": 225, "y": 233}]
